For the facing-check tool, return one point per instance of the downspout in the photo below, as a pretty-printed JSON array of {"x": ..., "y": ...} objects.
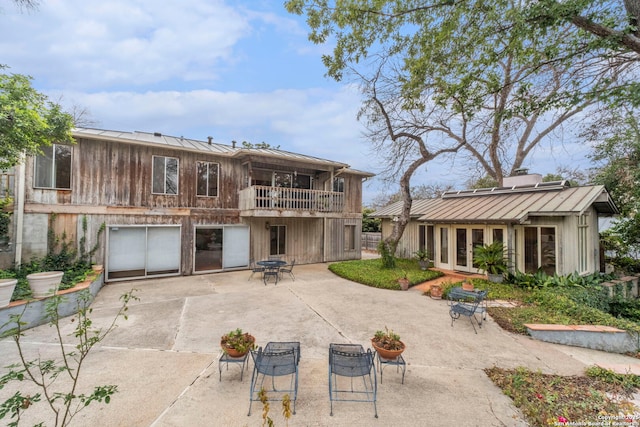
[{"x": 19, "y": 210}]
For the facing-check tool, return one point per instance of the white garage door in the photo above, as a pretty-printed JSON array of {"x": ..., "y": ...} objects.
[{"x": 142, "y": 251}]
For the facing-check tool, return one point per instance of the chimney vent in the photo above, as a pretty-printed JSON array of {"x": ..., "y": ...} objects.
[
  {"x": 210, "y": 138},
  {"x": 157, "y": 134},
  {"x": 233, "y": 144}
]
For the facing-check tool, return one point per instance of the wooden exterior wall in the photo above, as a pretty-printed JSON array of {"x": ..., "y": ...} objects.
[{"x": 112, "y": 183}]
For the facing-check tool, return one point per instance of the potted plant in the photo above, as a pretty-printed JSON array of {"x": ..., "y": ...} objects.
[
  {"x": 44, "y": 284},
  {"x": 492, "y": 260},
  {"x": 7, "y": 287},
  {"x": 423, "y": 259},
  {"x": 404, "y": 281},
  {"x": 387, "y": 344},
  {"x": 237, "y": 343},
  {"x": 435, "y": 291}
]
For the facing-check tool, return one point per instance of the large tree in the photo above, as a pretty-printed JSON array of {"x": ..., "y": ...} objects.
[
  {"x": 28, "y": 120},
  {"x": 474, "y": 76}
]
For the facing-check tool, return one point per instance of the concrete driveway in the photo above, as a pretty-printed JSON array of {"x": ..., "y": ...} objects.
[{"x": 164, "y": 358}]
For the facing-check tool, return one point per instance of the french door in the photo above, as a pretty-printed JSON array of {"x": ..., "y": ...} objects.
[{"x": 465, "y": 239}]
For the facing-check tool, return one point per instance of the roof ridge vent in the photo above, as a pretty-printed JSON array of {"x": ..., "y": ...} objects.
[{"x": 157, "y": 134}]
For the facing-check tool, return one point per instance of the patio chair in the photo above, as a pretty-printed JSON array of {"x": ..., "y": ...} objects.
[
  {"x": 288, "y": 269},
  {"x": 351, "y": 361},
  {"x": 255, "y": 269},
  {"x": 277, "y": 360},
  {"x": 271, "y": 271},
  {"x": 467, "y": 303}
]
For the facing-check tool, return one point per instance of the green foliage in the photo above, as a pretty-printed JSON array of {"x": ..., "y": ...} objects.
[
  {"x": 386, "y": 255},
  {"x": 5, "y": 217},
  {"x": 371, "y": 272},
  {"x": 369, "y": 224},
  {"x": 61, "y": 256},
  {"x": 62, "y": 397},
  {"x": 387, "y": 339},
  {"x": 490, "y": 258},
  {"x": 28, "y": 120},
  {"x": 422, "y": 255},
  {"x": 546, "y": 399}
]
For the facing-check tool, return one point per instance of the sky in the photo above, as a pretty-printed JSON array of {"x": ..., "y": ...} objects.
[{"x": 239, "y": 70}]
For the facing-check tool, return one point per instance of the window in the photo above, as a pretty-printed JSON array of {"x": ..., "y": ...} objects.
[
  {"x": 278, "y": 234},
  {"x": 583, "y": 230},
  {"x": 444, "y": 245},
  {"x": 207, "y": 179},
  {"x": 165, "y": 175},
  {"x": 540, "y": 249},
  {"x": 7, "y": 181},
  {"x": 349, "y": 237},
  {"x": 53, "y": 167},
  {"x": 338, "y": 184}
]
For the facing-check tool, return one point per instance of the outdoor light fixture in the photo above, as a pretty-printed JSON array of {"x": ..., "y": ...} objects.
[{"x": 267, "y": 226}]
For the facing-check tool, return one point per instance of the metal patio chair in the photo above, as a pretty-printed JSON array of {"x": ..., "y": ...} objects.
[
  {"x": 278, "y": 360},
  {"x": 271, "y": 271},
  {"x": 351, "y": 361},
  {"x": 255, "y": 269},
  {"x": 467, "y": 303},
  {"x": 288, "y": 269}
]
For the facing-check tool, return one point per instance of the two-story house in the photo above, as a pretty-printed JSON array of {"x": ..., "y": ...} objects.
[{"x": 175, "y": 206}]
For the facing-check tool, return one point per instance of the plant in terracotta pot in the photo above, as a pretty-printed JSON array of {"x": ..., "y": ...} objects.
[
  {"x": 237, "y": 343},
  {"x": 404, "y": 281},
  {"x": 423, "y": 259},
  {"x": 387, "y": 343},
  {"x": 491, "y": 259}
]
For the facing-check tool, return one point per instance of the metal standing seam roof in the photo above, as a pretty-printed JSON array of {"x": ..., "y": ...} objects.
[
  {"x": 180, "y": 143},
  {"x": 506, "y": 206}
]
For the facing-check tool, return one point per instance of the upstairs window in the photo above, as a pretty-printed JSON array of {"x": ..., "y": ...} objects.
[
  {"x": 207, "y": 179},
  {"x": 338, "y": 184},
  {"x": 53, "y": 167},
  {"x": 165, "y": 175}
]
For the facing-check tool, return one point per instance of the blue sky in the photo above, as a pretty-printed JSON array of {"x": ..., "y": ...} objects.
[{"x": 233, "y": 70}]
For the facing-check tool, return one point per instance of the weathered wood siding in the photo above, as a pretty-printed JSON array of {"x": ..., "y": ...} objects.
[{"x": 335, "y": 239}]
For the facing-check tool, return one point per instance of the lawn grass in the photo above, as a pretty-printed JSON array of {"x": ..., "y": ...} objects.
[{"x": 371, "y": 273}]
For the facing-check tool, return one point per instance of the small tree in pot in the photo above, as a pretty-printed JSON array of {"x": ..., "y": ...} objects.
[{"x": 492, "y": 260}]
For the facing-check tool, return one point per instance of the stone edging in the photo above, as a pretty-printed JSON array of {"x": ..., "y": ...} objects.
[
  {"x": 596, "y": 337},
  {"x": 33, "y": 311}
]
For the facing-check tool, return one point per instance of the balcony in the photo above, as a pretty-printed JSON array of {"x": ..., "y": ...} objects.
[{"x": 260, "y": 198}]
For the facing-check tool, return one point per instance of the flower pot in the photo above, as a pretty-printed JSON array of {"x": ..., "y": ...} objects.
[
  {"x": 388, "y": 354},
  {"x": 232, "y": 352},
  {"x": 467, "y": 286},
  {"x": 6, "y": 291},
  {"x": 44, "y": 284},
  {"x": 435, "y": 291},
  {"x": 404, "y": 284}
]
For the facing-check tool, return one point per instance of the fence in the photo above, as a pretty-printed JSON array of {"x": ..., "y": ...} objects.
[{"x": 370, "y": 241}]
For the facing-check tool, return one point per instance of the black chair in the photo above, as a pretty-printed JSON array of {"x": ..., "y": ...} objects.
[
  {"x": 288, "y": 269},
  {"x": 350, "y": 360},
  {"x": 255, "y": 269},
  {"x": 277, "y": 360}
]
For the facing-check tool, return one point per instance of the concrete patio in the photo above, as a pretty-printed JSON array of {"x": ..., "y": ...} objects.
[{"x": 164, "y": 358}]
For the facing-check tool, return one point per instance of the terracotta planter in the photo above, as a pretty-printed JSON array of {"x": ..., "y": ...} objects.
[
  {"x": 232, "y": 352},
  {"x": 404, "y": 284},
  {"x": 435, "y": 291},
  {"x": 6, "y": 291},
  {"x": 388, "y": 354},
  {"x": 44, "y": 284},
  {"x": 467, "y": 286}
]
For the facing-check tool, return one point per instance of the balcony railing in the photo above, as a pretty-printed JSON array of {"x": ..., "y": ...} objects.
[{"x": 268, "y": 198}]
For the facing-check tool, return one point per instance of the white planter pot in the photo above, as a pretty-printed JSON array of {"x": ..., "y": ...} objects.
[
  {"x": 44, "y": 284},
  {"x": 6, "y": 291}
]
